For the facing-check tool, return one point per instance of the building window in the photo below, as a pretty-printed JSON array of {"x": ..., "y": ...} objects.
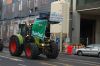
[
  {"x": 44, "y": 2},
  {"x": 90, "y": 1},
  {"x": 84, "y": 2}
]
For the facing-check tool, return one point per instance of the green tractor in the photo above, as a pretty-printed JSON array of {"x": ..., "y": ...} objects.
[{"x": 33, "y": 39}]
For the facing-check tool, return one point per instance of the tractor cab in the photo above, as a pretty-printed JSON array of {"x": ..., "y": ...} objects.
[{"x": 39, "y": 29}]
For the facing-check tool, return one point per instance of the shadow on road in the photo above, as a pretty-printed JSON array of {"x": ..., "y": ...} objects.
[{"x": 40, "y": 57}]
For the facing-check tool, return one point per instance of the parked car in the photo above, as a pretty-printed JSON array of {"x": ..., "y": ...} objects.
[
  {"x": 93, "y": 49},
  {"x": 1, "y": 45}
]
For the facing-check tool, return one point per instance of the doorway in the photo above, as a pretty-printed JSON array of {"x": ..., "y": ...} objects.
[{"x": 87, "y": 31}]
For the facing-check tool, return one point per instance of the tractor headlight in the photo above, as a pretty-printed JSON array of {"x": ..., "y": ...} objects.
[
  {"x": 43, "y": 44},
  {"x": 27, "y": 35}
]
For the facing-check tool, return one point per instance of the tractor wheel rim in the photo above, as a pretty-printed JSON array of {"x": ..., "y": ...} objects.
[
  {"x": 28, "y": 51},
  {"x": 13, "y": 46}
]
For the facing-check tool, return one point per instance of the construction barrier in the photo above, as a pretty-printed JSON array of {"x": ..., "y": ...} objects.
[
  {"x": 77, "y": 46},
  {"x": 69, "y": 50}
]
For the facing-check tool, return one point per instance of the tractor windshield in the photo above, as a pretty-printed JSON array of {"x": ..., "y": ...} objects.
[{"x": 39, "y": 28}]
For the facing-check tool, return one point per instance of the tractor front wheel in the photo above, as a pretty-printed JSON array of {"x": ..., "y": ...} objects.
[
  {"x": 14, "y": 46},
  {"x": 53, "y": 51},
  {"x": 31, "y": 50}
]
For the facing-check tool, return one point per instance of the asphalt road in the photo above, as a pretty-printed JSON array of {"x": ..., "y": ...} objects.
[{"x": 63, "y": 60}]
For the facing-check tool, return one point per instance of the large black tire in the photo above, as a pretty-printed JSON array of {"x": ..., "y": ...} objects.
[
  {"x": 1, "y": 47},
  {"x": 15, "y": 48},
  {"x": 52, "y": 51},
  {"x": 31, "y": 50}
]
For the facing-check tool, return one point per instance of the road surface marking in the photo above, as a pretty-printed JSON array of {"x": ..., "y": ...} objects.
[
  {"x": 22, "y": 65},
  {"x": 48, "y": 64},
  {"x": 80, "y": 61},
  {"x": 83, "y": 61},
  {"x": 14, "y": 59},
  {"x": 56, "y": 63},
  {"x": 64, "y": 64}
]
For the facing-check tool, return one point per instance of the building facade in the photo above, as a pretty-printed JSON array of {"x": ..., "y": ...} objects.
[
  {"x": 86, "y": 21},
  {"x": 24, "y": 8},
  {"x": 13, "y": 12},
  {"x": 84, "y": 18}
]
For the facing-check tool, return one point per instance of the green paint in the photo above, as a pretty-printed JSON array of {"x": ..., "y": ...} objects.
[
  {"x": 20, "y": 39},
  {"x": 37, "y": 41}
]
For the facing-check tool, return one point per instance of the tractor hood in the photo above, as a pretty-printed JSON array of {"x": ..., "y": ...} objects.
[{"x": 39, "y": 28}]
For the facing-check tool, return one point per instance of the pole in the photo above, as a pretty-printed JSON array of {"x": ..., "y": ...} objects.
[
  {"x": 87, "y": 40},
  {"x": 1, "y": 30},
  {"x": 61, "y": 39}
]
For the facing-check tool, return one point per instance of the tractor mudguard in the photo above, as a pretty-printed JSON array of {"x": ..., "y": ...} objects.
[{"x": 21, "y": 40}]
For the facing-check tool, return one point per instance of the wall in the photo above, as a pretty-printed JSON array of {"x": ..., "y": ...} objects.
[
  {"x": 97, "y": 40},
  {"x": 22, "y": 8},
  {"x": 87, "y": 4},
  {"x": 44, "y": 5},
  {"x": 84, "y": 2},
  {"x": 0, "y": 8},
  {"x": 75, "y": 24}
]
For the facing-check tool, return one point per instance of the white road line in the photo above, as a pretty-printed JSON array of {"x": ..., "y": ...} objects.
[
  {"x": 64, "y": 64},
  {"x": 80, "y": 61},
  {"x": 14, "y": 59},
  {"x": 55, "y": 63},
  {"x": 48, "y": 64},
  {"x": 22, "y": 65},
  {"x": 83, "y": 61}
]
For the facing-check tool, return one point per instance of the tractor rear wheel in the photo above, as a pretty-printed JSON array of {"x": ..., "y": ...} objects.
[
  {"x": 31, "y": 50},
  {"x": 15, "y": 47},
  {"x": 53, "y": 51}
]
